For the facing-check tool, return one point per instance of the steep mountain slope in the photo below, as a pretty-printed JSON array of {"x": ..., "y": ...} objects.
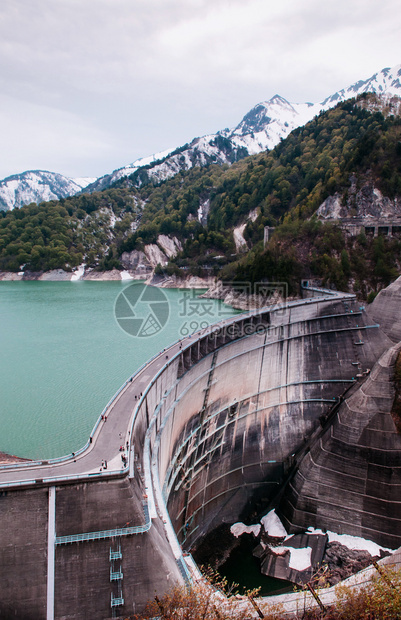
[
  {"x": 261, "y": 128},
  {"x": 212, "y": 149},
  {"x": 108, "y": 179},
  {"x": 269, "y": 122},
  {"x": 37, "y": 186}
]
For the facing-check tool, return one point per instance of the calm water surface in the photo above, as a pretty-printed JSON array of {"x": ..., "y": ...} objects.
[{"x": 63, "y": 356}]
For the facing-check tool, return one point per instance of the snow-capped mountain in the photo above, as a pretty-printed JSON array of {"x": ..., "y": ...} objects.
[
  {"x": 211, "y": 149},
  {"x": 108, "y": 179},
  {"x": 38, "y": 186},
  {"x": 261, "y": 128},
  {"x": 270, "y": 121}
]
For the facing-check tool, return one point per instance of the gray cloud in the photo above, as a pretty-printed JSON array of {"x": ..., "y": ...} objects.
[{"x": 90, "y": 86}]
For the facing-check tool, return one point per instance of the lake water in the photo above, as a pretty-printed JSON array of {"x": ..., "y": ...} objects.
[{"x": 63, "y": 355}]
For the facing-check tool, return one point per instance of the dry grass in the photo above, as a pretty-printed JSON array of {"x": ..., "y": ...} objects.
[{"x": 380, "y": 600}]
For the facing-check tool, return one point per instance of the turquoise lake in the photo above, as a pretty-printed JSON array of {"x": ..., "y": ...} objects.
[{"x": 64, "y": 355}]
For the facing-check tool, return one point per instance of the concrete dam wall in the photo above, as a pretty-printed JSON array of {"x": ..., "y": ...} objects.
[
  {"x": 230, "y": 427},
  {"x": 220, "y": 425},
  {"x": 350, "y": 480}
]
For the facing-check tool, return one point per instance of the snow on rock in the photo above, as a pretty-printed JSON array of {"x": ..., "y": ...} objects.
[
  {"x": 352, "y": 542},
  {"x": 300, "y": 559},
  {"x": 269, "y": 121},
  {"x": 154, "y": 255},
  {"x": 253, "y": 215},
  {"x": 35, "y": 186},
  {"x": 170, "y": 246},
  {"x": 239, "y": 240},
  {"x": 261, "y": 128},
  {"x": 240, "y": 528},
  {"x": 203, "y": 211},
  {"x": 264, "y": 126},
  {"x": 106, "y": 180},
  {"x": 78, "y": 274},
  {"x": 84, "y": 181},
  {"x": 273, "y": 526},
  {"x": 125, "y": 275}
]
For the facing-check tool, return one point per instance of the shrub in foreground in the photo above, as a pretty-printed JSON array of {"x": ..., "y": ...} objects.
[{"x": 378, "y": 600}]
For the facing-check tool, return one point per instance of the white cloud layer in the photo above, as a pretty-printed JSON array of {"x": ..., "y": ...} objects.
[{"x": 89, "y": 86}]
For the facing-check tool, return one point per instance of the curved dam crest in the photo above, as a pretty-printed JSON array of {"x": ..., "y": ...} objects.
[{"x": 213, "y": 432}]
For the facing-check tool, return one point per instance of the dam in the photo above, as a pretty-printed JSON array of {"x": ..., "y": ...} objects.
[{"x": 213, "y": 430}]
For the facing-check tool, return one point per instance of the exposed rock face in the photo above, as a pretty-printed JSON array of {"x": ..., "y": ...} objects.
[
  {"x": 342, "y": 562},
  {"x": 114, "y": 274},
  {"x": 10, "y": 458},
  {"x": 386, "y": 310},
  {"x": 367, "y": 202},
  {"x": 143, "y": 263},
  {"x": 137, "y": 262},
  {"x": 56, "y": 275},
  {"x": 155, "y": 256},
  {"x": 175, "y": 282},
  {"x": 214, "y": 549},
  {"x": 170, "y": 245},
  {"x": 10, "y": 276}
]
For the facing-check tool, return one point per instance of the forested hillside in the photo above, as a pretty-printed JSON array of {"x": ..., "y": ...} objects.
[{"x": 282, "y": 188}]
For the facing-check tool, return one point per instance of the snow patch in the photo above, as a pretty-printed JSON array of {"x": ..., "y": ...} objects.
[
  {"x": 300, "y": 559},
  {"x": 273, "y": 526},
  {"x": 125, "y": 275},
  {"x": 352, "y": 542},
  {"x": 78, "y": 274},
  {"x": 239, "y": 240},
  {"x": 203, "y": 211},
  {"x": 84, "y": 181},
  {"x": 253, "y": 215},
  {"x": 240, "y": 528}
]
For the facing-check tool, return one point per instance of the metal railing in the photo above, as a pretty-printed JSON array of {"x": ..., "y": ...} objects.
[
  {"x": 104, "y": 534},
  {"x": 116, "y": 575},
  {"x": 116, "y": 601}
]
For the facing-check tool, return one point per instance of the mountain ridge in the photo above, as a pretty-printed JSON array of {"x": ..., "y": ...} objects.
[
  {"x": 38, "y": 186},
  {"x": 261, "y": 128}
]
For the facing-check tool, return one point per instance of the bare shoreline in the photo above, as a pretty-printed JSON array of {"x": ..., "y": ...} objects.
[{"x": 11, "y": 458}]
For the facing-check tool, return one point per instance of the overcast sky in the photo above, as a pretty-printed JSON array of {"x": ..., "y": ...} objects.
[{"x": 88, "y": 86}]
